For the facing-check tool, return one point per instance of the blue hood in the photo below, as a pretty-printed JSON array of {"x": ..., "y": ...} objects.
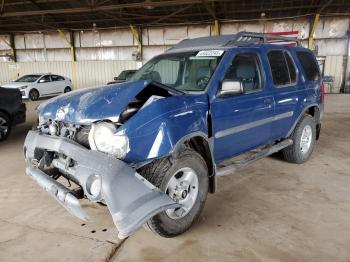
[{"x": 86, "y": 106}]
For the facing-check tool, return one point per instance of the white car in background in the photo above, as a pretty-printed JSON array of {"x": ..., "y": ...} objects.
[{"x": 35, "y": 86}]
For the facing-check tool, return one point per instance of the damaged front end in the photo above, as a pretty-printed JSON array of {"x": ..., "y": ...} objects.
[
  {"x": 130, "y": 198},
  {"x": 64, "y": 145}
]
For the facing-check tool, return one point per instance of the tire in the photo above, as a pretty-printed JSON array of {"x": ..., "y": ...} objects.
[
  {"x": 5, "y": 126},
  {"x": 173, "y": 222},
  {"x": 301, "y": 151},
  {"x": 34, "y": 95},
  {"x": 67, "y": 89}
]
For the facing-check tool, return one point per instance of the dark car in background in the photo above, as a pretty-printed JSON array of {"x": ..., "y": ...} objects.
[
  {"x": 122, "y": 77},
  {"x": 12, "y": 111}
]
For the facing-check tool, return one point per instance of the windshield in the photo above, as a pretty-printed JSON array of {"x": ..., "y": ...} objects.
[
  {"x": 28, "y": 78},
  {"x": 122, "y": 75},
  {"x": 182, "y": 71}
]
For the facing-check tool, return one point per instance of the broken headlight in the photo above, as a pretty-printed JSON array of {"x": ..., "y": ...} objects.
[{"x": 103, "y": 137}]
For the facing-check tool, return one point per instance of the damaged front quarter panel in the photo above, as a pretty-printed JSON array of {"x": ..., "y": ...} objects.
[{"x": 156, "y": 129}]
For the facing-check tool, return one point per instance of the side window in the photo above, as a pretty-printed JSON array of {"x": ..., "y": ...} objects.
[
  {"x": 279, "y": 68},
  {"x": 45, "y": 79},
  {"x": 246, "y": 69},
  {"x": 309, "y": 65},
  {"x": 57, "y": 78},
  {"x": 129, "y": 75}
]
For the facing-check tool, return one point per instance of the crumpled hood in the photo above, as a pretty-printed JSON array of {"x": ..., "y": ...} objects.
[{"x": 86, "y": 106}]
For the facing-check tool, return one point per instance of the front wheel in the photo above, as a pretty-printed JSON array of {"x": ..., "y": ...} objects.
[
  {"x": 185, "y": 180},
  {"x": 304, "y": 138},
  {"x": 67, "y": 89},
  {"x": 34, "y": 95}
]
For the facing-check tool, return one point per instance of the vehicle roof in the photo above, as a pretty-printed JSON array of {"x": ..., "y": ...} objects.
[
  {"x": 224, "y": 42},
  {"x": 41, "y": 74}
]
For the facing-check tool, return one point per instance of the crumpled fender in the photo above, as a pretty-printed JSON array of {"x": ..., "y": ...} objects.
[{"x": 155, "y": 130}]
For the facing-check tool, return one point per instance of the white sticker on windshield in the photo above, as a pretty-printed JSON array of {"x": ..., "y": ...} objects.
[{"x": 210, "y": 53}]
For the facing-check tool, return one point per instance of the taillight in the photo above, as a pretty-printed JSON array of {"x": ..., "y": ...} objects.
[{"x": 322, "y": 92}]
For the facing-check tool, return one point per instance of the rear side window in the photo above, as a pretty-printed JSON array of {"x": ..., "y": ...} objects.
[
  {"x": 309, "y": 65},
  {"x": 279, "y": 68}
]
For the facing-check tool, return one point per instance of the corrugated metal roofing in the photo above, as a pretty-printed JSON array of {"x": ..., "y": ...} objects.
[{"x": 36, "y": 15}]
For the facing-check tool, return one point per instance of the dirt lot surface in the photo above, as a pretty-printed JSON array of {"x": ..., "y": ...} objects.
[{"x": 269, "y": 211}]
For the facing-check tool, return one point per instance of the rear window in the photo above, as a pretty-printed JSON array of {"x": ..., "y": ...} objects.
[
  {"x": 282, "y": 68},
  {"x": 309, "y": 65}
]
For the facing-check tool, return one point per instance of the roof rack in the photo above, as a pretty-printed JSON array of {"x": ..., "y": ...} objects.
[{"x": 249, "y": 38}]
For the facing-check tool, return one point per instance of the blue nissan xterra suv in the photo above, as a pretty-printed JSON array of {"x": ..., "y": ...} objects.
[{"x": 151, "y": 149}]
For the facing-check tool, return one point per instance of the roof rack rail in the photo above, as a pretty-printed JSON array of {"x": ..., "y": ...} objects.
[{"x": 249, "y": 38}]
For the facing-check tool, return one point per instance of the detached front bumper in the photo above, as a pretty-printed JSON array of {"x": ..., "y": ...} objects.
[{"x": 130, "y": 198}]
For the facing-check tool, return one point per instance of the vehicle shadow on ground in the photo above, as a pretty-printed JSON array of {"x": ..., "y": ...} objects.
[{"x": 277, "y": 156}]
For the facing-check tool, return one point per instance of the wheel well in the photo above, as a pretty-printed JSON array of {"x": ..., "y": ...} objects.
[
  {"x": 7, "y": 113},
  {"x": 201, "y": 145},
  {"x": 34, "y": 89},
  {"x": 314, "y": 111}
]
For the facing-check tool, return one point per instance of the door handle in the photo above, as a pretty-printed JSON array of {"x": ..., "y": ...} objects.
[{"x": 268, "y": 101}]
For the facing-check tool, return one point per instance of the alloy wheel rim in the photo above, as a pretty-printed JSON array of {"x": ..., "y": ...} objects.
[
  {"x": 183, "y": 188},
  {"x": 3, "y": 127},
  {"x": 34, "y": 96},
  {"x": 306, "y": 139}
]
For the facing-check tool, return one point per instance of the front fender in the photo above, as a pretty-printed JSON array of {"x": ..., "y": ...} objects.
[{"x": 153, "y": 132}]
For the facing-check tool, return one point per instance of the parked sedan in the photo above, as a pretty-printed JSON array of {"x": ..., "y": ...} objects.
[
  {"x": 122, "y": 77},
  {"x": 12, "y": 111},
  {"x": 40, "y": 85}
]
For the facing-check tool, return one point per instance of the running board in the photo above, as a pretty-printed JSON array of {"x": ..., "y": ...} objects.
[{"x": 230, "y": 169}]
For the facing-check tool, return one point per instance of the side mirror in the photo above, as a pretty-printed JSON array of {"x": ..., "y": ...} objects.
[
  {"x": 230, "y": 87},
  {"x": 116, "y": 78}
]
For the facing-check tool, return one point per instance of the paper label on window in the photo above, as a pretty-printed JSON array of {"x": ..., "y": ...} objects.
[{"x": 210, "y": 53}]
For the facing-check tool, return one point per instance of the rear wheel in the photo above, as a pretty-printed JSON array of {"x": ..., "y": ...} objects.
[
  {"x": 5, "y": 126},
  {"x": 34, "y": 95},
  {"x": 185, "y": 180},
  {"x": 67, "y": 89},
  {"x": 304, "y": 138}
]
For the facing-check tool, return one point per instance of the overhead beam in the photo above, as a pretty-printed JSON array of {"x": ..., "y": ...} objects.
[
  {"x": 165, "y": 3},
  {"x": 105, "y": 7},
  {"x": 209, "y": 9},
  {"x": 120, "y": 20},
  {"x": 325, "y": 5},
  {"x": 172, "y": 14}
]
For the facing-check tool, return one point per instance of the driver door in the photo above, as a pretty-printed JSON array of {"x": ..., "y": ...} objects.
[
  {"x": 243, "y": 121},
  {"x": 44, "y": 85}
]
